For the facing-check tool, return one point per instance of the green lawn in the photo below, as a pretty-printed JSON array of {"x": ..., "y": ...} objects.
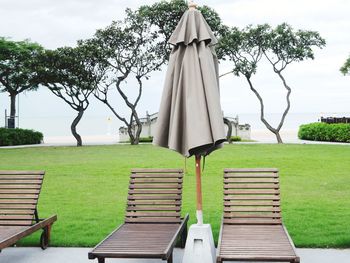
[{"x": 87, "y": 187}]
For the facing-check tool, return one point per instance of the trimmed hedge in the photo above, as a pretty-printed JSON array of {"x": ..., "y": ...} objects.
[
  {"x": 142, "y": 140},
  {"x": 9, "y": 137},
  {"x": 320, "y": 131},
  {"x": 146, "y": 139},
  {"x": 236, "y": 138}
]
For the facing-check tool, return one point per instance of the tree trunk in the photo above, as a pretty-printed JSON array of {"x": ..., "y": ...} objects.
[
  {"x": 131, "y": 134},
  {"x": 278, "y": 137},
  {"x": 73, "y": 127},
  {"x": 229, "y": 130},
  {"x": 134, "y": 138},
  {"x": 137, "y": 135},
  {"x": 289, "y": 91},
  {"x": 138, "y": 127},
  {"x": 262, "y": 114},
  {"x": 13, "y": 105}
]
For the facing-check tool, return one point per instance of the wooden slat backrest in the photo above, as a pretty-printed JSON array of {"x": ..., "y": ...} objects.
[
  {"x": 252, "y": 196},
  {"x": 154, "y": 196},
  {"x": 19, "y": 193}
]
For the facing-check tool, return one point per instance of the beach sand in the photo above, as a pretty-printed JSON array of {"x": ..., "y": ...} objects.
[{"x": 258, "y": 136}]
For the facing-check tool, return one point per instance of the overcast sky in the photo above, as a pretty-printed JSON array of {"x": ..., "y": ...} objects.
[{"x": 317, "y": 85}]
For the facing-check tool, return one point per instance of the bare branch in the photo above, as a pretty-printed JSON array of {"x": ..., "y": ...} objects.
[{"x": 227, "y": 73}]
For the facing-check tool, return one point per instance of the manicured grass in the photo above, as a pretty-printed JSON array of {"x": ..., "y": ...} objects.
[{"x": 87, "y": 187}]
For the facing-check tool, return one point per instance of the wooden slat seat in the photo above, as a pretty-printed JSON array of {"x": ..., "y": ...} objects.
[
  {"x": 6, "y": 231},
  {"x": 132, "y": 237},
  {"x": 252, "y": 228},
  {"x": 153, "y": 220},
  {"x": 19, "y": 194}
]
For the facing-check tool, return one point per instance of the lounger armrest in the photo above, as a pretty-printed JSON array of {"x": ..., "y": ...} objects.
[
  {"x": 181, "y": 228},
  {"x": 43, "y": 223},
  {"x": 46, "y": 221},
  {"x": 27, "y": 231},
  {"x": 218, "y": 259},
  {"x": 291, "y": 242},
  {"x": 185, "y": 219}
]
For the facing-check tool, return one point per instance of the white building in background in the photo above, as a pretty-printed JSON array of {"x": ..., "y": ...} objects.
[
  {"x": 241, "y": 130},
  {"x": 149, "y": 122},
  {"x": 148, "y": 125}
]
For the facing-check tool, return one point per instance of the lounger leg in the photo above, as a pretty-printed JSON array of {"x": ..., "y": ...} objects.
[
  {"x": 183, "y": 237},
  {"x": 48, "y": 233},
  {"x": 45, "y": 237},
  {"x": 101, "y": 260},
  {"x": 170, "y": 259}
]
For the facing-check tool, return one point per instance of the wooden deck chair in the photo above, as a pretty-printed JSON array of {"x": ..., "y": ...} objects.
[
  {"x": 252, "y": 228},
  {"x": 153, "y": 220},
  {"x": 19, "y": 193}
]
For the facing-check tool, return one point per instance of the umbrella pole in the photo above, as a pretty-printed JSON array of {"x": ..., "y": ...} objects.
[
  {"x": 200, "y": 246},
  {"x": 199, "y": 212}
]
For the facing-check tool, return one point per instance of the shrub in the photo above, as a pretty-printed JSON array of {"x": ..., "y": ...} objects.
[
  {"x": 18, "y": 136},
  {"x": 146, "y": 139},
  {"x": 236, "y": 138},
  {"x": 319, "y": 131}
]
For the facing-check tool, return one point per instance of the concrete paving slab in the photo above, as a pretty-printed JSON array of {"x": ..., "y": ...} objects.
[
  {"x": 79, "y": 255},
  {"x": 324, "y": 255},
  {"x": 66, "y": 255}
]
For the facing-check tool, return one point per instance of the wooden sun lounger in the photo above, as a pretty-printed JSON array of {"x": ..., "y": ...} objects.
[
  {"x": 252, "y": 228},
  {"x": 19, "y": 193},
  {"x": 153, "y": 220}
]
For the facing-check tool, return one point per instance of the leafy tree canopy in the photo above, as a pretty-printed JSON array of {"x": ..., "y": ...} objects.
[
  {"x": 281, "y": 46},
  {"x": 74, "y": 69},
  {"x": 165, "y": 15},
  {"x": 17, "y": 62},
  {"x": 345, "y": 69},
  {"x": 17, "y": 59}
]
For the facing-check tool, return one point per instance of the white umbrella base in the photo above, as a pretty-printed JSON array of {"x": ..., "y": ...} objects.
[{"x": 200, "y": 246}]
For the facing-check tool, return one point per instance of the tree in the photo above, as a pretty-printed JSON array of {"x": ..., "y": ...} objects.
[
  {"x": 17, "y": 61},
  {"x": 345, "y": 69},
  {"x": 165, "y": 15},
  {"x": 130, "y": 49},
  {"x": 280, "y": 47},
  {"x": 72, "y": 74}
]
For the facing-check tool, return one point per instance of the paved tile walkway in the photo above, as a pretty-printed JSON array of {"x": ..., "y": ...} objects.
[{"x": 79, "y": 255}]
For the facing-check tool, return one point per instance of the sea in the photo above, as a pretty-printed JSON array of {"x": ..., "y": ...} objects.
[{"x": 108, "y": 125}]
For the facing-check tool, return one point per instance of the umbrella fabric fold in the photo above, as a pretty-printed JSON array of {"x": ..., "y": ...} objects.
[
  {"x": 190, "y": 119},
  {"x": 192, "y": 27}
]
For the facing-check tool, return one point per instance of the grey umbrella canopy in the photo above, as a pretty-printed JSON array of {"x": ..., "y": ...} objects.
[{"x": 190, "y": 119}]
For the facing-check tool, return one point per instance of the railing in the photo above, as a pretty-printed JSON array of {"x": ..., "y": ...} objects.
[
  {"x": 335, "y": 120},
  {"x": 10, "y": 122}
]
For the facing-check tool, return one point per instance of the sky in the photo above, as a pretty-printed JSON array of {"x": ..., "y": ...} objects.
[{"x": 317, "y": 85}]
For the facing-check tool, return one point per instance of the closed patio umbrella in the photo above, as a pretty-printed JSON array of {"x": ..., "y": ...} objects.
[{"x": 190, "y": 119}]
